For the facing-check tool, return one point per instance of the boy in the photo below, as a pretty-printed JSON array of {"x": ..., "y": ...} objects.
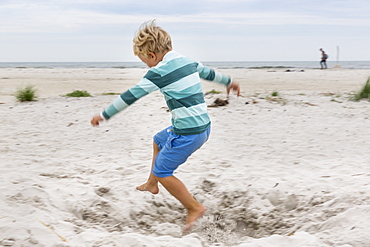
[{"x": 178, "y": 79}]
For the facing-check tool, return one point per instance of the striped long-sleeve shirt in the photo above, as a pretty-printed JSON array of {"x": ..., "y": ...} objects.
[{"x": 178, "y": 79}]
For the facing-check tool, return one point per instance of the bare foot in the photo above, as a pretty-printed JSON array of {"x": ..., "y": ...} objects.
[
  {"x": 192, "y": 217},
  {"x": 146, "y": 187}
]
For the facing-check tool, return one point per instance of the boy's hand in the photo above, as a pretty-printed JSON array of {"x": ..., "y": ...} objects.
[
  {"x": 96, "y": 120},
  {"x": 233, "y": 87}
]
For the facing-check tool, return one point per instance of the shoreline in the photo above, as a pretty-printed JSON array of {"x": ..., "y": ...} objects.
[{"x": 215, "y": 64}]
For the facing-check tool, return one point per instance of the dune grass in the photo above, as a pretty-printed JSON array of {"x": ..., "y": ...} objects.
[
  {"x": 275, "y": 94},
  {"x": 27, "y": 93},
  {"x": 213, "y": 92},
  {"x": 364, "y": 93},
  {"x": 110, "y": 93},
  {"x": 78, "y": 93}
]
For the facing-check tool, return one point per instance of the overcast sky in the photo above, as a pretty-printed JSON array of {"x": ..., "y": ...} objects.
[{"x": 208, "y": 30}]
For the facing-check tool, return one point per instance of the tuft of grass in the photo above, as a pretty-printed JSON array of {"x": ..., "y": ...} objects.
[
  {"x": 26, "y": 94},
  {"x": 275, "y": 97},
  {"x": 110, "y": 93},
  {"x": 78, "y": 93},
  {"x": 213, "y": 92},
  {"x": 335, "y": 100},
  {"x": 364, "y": 93},
  {"x": 275, "y": 94}
]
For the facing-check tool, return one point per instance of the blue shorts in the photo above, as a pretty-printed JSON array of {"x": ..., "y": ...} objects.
[{"x": 175, "y": 150}]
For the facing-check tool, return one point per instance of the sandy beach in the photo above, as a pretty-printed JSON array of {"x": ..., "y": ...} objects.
[{"x": 288, "y": 170}]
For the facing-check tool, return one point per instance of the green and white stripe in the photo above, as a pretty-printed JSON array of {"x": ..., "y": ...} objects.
[{"x": 178, "y": 79}]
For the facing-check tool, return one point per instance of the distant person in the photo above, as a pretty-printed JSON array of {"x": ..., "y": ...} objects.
[{"x": 324, "y": 56}]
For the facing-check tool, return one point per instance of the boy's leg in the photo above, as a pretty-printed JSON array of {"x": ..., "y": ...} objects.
[
  {"x": 174, "y": 151},
  {"x": 180, "y": 192},
  {"x": 152, "y": 184}
]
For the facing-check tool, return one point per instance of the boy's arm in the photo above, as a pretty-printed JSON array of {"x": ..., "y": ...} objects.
[
  {"x": 235, "y": 87},
  {"x": 209, "y": 74},
  {"x": 96, "y": 120},
  {"x": 144, "y": 87}
]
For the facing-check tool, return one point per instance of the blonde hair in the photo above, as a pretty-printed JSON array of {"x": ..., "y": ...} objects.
[{"x": 151, "y": 38}]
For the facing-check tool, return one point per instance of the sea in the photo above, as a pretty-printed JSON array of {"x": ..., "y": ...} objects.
[{"x": 216, "y": 65}]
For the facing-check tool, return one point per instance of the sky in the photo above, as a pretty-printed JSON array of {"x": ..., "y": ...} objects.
[{"x": 208, "y": 30}]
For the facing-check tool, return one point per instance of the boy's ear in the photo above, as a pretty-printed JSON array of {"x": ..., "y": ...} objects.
[{"x": 152, "y": 55}]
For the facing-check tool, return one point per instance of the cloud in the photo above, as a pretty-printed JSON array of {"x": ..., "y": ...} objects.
[
  {"x": 34, "y": 17},
  {"x": 78, "y": 22},
  {"x": 70, "y": 16}
]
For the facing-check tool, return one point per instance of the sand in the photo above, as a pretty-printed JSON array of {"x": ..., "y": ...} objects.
[{"x": 291, "y": 170}]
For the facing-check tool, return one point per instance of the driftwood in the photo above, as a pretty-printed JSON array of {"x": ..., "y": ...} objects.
[{"x": 219, "y": 102}]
